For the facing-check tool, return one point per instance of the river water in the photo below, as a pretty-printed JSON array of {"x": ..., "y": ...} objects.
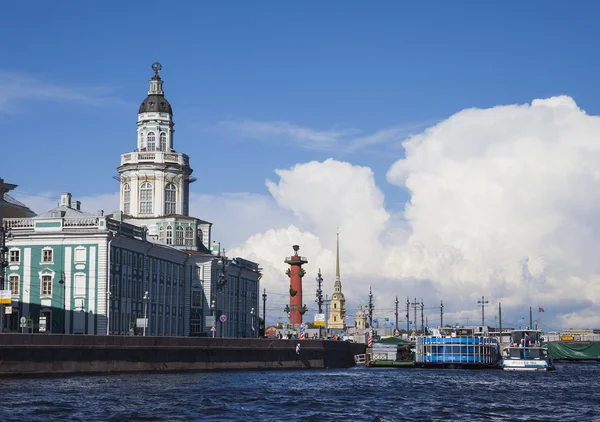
[{"x": 571, "y": 393}]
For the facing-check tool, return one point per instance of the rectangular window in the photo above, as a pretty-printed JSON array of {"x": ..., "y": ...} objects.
[
  {"x": 15, "y": 256},
  {"x": 46, "y": 285},
  {"x": 146, "y": 201},
  {"x": 79, "y": 284},
  {"x": 79, "y": 304},
  {"x": 127, "y": 201},
  {"x": 13, "y": 282},
  {"x": 47, "y": 255},
  {"x": 80, "y": 255},
  {"x": 195, "y": 323},
  {"x": 196, "y": 298}
]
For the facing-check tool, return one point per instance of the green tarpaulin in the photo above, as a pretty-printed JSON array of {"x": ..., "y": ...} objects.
[{"x": 574, "y": 351}]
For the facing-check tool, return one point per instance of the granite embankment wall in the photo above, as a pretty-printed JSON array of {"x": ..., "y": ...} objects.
[{"x": 39, "y": 354}]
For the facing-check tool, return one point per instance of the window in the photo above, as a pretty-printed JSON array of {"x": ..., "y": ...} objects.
[
  {"x": 146, "y": 198},
  {"x": 169, "y": 235},
  {"x": 13, "y": 282},
  {"x": 195, "y": 326},
  {"x": 170, "y": 198},
  {"x": 161, "y": 234},
  {"x": 196, "y": 298},
  {"x": 80, "y": 254},
  {"x": 46, "y": 285},
  {"x": 189, "y": 236},
  {"x": 151, "y": 142},
  {"x": 163, "y": 141},
  {"x": 79, "y": 285},
  {"x": 179, "y": 236},
  {"x": 47, "y": 255},
  {"x": 200, "y": 236},
  {"x": 79, "y": 304},
  {"x": 141, "y": 145},
  {"x": 15, "y": 257},
  {"x": 126, "y": 199}
]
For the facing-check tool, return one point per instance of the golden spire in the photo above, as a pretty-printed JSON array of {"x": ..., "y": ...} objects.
[{"x": 337, "y": 257}]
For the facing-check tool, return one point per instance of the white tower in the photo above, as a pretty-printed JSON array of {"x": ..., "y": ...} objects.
[{"x": 155, "y": 178}]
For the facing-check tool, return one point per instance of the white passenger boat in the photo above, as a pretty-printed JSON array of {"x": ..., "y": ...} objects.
[{"x": 526, "y": 352}]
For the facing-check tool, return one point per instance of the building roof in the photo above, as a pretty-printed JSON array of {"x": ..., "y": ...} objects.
[
  {"x": 64, "y": 211},
  {"x": 12, "y": 202},
  {"x": 155, "y": 104}
]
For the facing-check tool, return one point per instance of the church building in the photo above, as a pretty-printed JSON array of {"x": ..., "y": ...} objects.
[
  {"x": 71, "y": 271},
  {"x": 337, "y": 309}
]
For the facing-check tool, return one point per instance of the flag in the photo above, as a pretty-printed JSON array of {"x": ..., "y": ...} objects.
[{"x": 540, "y": 309}]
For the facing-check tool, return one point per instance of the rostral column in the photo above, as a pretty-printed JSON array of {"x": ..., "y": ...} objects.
[{"x": 295, "y": 273}]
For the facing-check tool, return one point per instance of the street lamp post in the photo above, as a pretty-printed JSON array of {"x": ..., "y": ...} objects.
[
  {"x": 252, "y": 319},
  {"x": 62, "y": 281},
  {"x": 146, "y": 299},
  {"x": 214, "y": 323}
]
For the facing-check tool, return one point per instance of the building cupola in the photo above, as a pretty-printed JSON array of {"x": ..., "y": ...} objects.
[{"x": 156, "y": 102}]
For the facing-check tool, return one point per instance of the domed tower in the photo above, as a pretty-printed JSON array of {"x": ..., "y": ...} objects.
[
  {"x": 154, "y": 177},
  {"x": 337, "y": 309}
]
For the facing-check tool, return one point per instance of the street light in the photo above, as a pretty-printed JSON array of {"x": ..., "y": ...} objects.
[
  {"x": 62, "y": 281},
  {"x": 214, "y": 323},
  {"x": 146, "y": 299},
  {"x": 252, "y": 319}
]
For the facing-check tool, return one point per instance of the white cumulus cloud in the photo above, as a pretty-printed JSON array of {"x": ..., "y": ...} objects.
[{"x": 503, "y": 204}]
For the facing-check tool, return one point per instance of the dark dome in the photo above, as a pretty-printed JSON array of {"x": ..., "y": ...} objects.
[{"x": 156, "y": 103}]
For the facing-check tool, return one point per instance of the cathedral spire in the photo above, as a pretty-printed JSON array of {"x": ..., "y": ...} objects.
[{"x": 337, "y": 257}]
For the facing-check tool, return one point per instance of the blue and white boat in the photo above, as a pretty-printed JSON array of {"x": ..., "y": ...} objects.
[
  {"x": 457, "y": 348},
  {"x": 526, "y": 352}
]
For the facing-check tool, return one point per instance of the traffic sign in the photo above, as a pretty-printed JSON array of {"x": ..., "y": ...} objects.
[
  {"x": 29, "y": 323},
  {"x": 213, "y": 328},
  {"x": 302, "y": 329},
  {"x": 223, "y": 318},
  {"x": 23, "y": 320}
]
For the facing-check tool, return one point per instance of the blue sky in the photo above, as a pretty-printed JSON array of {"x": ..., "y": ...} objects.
[{"x": 349, "y": 67}]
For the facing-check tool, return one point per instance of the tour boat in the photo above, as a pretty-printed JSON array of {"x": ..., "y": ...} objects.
[
  {"x": 454, "y": 347},
  {"x": 526, "y": 352}
]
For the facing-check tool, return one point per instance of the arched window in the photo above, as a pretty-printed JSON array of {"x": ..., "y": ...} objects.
[
  {"x": 146, "y": 198},
  {"x": 200, "y": 236},
  {"x": 163, "y": 141},
  {"x": 126, "y": 199},
  {"x": 161, "y": 234},
  {"x": 169, "y": 235},
  {"x": 170, "y": 198},
  {"x": 179, "y": 236},
  {"x": 189, "y": 236},
  {"x": 151, "y": 141}
]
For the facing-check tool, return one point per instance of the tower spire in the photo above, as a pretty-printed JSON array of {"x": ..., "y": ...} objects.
[{"x": 337, "y": 257}]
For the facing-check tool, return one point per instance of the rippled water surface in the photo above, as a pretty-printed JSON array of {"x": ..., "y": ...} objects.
[{"x": 358, "y": 394}]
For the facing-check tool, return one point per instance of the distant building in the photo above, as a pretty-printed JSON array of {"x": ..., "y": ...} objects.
[
  {"x": 76, "y": 272},
  {"x": 337, "y": 313}
]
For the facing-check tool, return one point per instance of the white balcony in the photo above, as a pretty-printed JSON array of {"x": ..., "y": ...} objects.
[{"x": 158, "y": 157}]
